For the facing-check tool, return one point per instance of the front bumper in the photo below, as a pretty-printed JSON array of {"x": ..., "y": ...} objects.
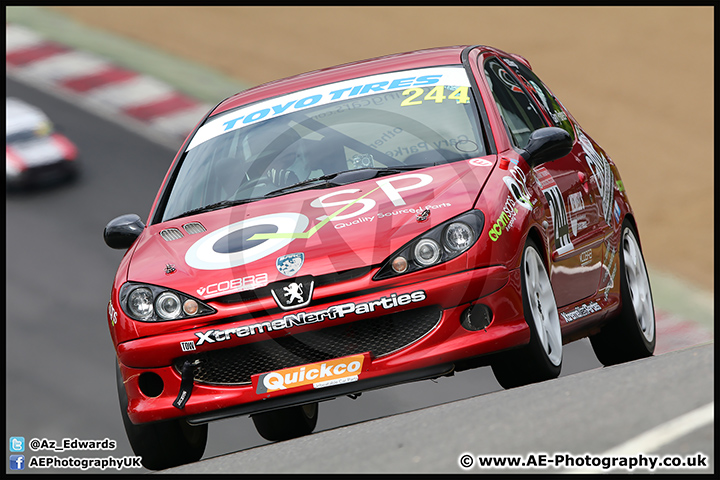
[
  {"x": 44, "y": 175},
  {"x": 429, "y": 352}
]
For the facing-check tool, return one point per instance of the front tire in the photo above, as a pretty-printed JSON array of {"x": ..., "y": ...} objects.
[
  {"x": 287, "y": 423},
  {"x": 541, "y": 359},
  {"x": 162, "y": 444},
  {"x": 631, "y": 334}
]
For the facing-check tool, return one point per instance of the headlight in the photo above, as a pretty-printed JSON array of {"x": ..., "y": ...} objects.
[
  {"x": 458, "y": 236},
  {"x": 427, "y": 252},
  {"x": 150, "y": 303},
  {"x": 439, "y": 244},
  {"x": 140, "y": 303},
  {"x": 168, "y": 306}
]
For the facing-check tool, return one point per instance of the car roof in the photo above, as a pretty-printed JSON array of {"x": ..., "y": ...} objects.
[
  {"x": 388, "y": 63},
  {"x": 21, "y": 116}
]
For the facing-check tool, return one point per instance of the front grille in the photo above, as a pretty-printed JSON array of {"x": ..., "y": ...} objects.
[
  {"x": 380, "y": 336},
  {"x": 321, "y": 280}
]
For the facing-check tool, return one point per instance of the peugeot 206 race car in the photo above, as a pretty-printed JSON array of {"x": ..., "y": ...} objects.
[
  {"x": 356, "y": 227},
  {"x": 35, "y": 154}
]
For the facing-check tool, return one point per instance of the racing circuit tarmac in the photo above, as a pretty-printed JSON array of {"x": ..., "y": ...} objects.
[{"x": 60, "y": 379}]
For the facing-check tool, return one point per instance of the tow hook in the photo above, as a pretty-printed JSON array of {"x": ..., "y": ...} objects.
[{"x": 186, "y": 384}]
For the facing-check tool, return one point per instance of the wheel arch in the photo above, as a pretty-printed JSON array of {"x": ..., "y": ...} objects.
[{"x": 535, "y": 235}]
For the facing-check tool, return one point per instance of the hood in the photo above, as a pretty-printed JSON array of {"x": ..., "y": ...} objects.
[{"x": 313, "y": 232}]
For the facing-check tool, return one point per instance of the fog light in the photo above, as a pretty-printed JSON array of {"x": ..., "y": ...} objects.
[
  {"x": 151, "y": 384},
  {"x": 476, "y": 317}
]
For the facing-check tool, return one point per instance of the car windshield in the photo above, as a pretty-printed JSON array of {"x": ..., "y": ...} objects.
[{"x": 397, "y": 121}]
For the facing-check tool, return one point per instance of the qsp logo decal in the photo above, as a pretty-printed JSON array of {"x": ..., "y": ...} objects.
[
  {"x": 255, "y": 238},
  {"x": 234, "y": 245}
]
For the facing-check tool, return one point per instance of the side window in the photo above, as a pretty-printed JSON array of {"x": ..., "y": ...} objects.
[
  {"x": 516, "y": 109},
  {"x": 547, "y": 101}
]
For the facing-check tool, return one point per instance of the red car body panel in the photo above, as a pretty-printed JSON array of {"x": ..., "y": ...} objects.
[{"x": 488, "y": 273}]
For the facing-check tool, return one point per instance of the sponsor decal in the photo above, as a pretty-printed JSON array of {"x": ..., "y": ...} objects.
[
  {"x": 586, "y": 257},
  {"x": 233, "y": 245},
  {"x": 561, "y": 229},
  {"x": 170, "y": 269},
  {"x": 255, "y": 238},
  {"x": 480, "y": 162},
  {"x": 305, "y": 318},
  {"x": 239, "y": 284},
  {"x": 461, "y": 142},
  {"x": 519, "y": 197},
  {"x": 507, "y": 218},
  {"x": 112, "y": 313},
  {"x": 604, "y": 177},
  {"x": 617, "y": 212},
  {"x": 293, "y": 295},
  {"x": 516, "y": 183},
  {"x": 326, "y": 94},
  {"x": 578, "y": 223},
  {"x": 576, "y": 202},
  {"x": 188, "y": 346},
  {"x": 360, "y": 220},
  {"x": 290, "y": 264},
  {"x": 319, "y": 375},
  {"x": 611, "y": 283},
  {"x": 581, "y": 311},
  {"x": 413, "y": 211},
  {"x": 609, "y": 272},
  {"x": 577, "y": 206}
]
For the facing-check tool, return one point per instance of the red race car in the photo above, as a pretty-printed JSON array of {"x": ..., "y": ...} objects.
[{"x": 361, "y": 226}]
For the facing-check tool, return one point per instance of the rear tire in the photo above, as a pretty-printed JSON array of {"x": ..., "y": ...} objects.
[
  {"x": 631, "y": 334},
  {"x": 541, "y": 359},
  {"x": 162, "y": 444},
  {"x": 287, "y": 423}
]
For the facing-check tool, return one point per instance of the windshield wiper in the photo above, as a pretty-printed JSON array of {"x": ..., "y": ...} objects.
[
  {"x": 216, "y": 206},
  {"x": 342, "y": 178}
]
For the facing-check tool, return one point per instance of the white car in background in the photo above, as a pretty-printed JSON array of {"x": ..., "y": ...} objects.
[{"x": 35, "y": 154}]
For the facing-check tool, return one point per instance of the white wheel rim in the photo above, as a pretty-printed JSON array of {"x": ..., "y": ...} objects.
[
  {"x": 542, "y": 306},
  {"x": 638, "y": 285}
]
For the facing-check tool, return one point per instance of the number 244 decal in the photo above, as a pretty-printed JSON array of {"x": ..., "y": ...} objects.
[{"x": 437, "y": 94}]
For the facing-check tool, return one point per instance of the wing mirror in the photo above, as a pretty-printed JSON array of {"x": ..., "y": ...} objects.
[
  {"x": 121, "y": 232},
  {"x": 547, "y": 144}
]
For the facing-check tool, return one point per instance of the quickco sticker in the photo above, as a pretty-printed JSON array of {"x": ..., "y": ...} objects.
[{"x": 321, "y": 374}]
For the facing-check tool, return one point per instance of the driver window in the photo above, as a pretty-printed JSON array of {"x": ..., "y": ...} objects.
[{"x": 516, "y": 109}]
